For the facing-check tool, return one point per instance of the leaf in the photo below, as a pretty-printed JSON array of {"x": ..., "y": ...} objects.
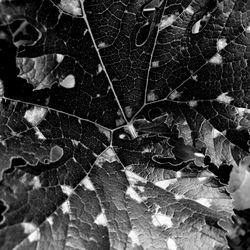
[
  {"x": 239, "y": 185},
  {"x": 120, "y": 123}
]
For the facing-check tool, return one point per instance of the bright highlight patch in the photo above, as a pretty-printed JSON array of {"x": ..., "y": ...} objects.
[
  {"x": 36, "y": 183},
  {"x": 216, "y": 59},
  {"x": 67, "y": 190},
  {"x": 161, "y": 220},
  {"x": 134, "y": 238},
  {"x": 68, "y": 82},
  {"x": 164, "y": 184},
  {"x": 205, "y": 202},
  {"x": 101, "y": 219},
  {"x": 35, "y": 115},
  {"x": 28, "y": 227},
  {"x": 35, "y": 236},
  {"x": 66, "y": 207},
  {"x": 224, "y": 98},
  {"x": 167, "y": 21},
  {"x": 171, "y": 244},
  {"x": 88, "y": 184},
  {"x": 221, "y": 44},
  {"x": 133, "y": 195}
]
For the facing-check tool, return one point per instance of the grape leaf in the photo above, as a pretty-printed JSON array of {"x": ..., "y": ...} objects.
[{"x": 120, "y": 122}]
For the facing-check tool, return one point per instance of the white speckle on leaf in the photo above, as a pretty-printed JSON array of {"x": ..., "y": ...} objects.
[
  {"x": 161, "y": 220},
  {"x": 7, "y": 17},
  {"x": 35, "y": 115},
  {"x": 35, "y": 183},
  {"x": 39, "y": 134},
  {"x": 201, "y": 179},
  {"x": 221, "y": 44},
  {"x": 67, "y": 190},
  {"x": 200, "y": 155},
  {"x": 171, "y": 244},
  {"x": 131, "y": 129},
  {"x": 133, "y": 194},
  {"x": 99, "y": 70},
  {"x": 50, "y": 220},
  {"x": 204, "y": 201},
  {"x": 141, "y": 188},
  {"x": 196, "y": 27},
  {"x": 101, "y": 219},
  {"x": 242, "y": 111},
  {"x": 178, "y": 174},
  {"x": 134, "y": 178},
  {"x": 215, "y": 133},
  {"x": 71, "y": 6},
  {"x": 68, "y": 82},
  {"x": 109, "y": 155},
  {"x": 151, "y": 96},
  {"x": 102, "y": 45},
  {"x": 88, "y": 184},
  {"x": 167, "y": 21},
  {"x": 155, "y": 64},
  {"x": 190, "y": 10},
  {"x": 147, "y": 150},
  {"x": 28, "y": 227},
  {"x": 239, "y": 127},
  {"x": 226, "y": 14},
  {"x": 1, "y": 90},
  {"x": 34, "y": 236},
  {"x": 195, "y": 77},
  {"x": 179, "y": 196},
  {"x": 134, "y": 238},
  {"x": 66, "y": 207},
  {"x": 224, "y": 98},
  {"x": 128, "y": 111},
  {"x": 75, "y": 142},
  {"x": 192, "y": 104},
  {"x": 175, "y": 95},
  {"x": 216, "y": 59},
  {"x": 59, "y": 58},
  {"x": 122, "y": 136},
  {"x": 184, "y": 123},
  {"x": 164, "y": 184},
  {"x": 247, "y": 29}
]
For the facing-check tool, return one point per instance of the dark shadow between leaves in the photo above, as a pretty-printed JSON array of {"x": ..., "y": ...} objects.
[
  {"x": 15, "y": 162},
  {"x": 24, "y": 34},
  {"x": 222, "y": 172}
]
